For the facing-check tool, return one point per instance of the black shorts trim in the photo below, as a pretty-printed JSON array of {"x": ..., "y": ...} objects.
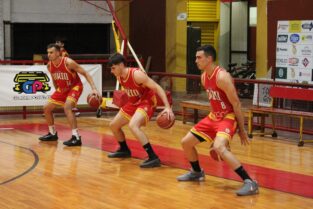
[{"x": 198, "y": 137}]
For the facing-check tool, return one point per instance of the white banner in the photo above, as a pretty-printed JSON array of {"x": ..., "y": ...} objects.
[
  {"x": 294, "y": 51},
  {"x": 261, "y": 94},
  {"x": 22, "y": 85}
]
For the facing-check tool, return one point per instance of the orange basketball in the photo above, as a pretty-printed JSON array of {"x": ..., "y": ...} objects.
[
  {"x": 163, "y": 121},
  {"x": 94, "y": 100}
]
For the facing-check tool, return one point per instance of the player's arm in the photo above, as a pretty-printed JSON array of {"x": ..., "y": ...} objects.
[
  {"x": 72, "y": 65},
  {"x": 54, "y": 84},
  {"x": 142, "y": 79},
  {"x": 202, "y": 79},
  {"x": 225, "y": 83}
]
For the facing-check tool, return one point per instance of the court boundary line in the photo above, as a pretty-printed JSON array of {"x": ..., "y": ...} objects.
[{"x": 34, "y": 165}]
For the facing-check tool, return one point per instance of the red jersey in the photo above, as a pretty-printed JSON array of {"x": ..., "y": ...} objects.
[
  {"x": 64, "y": 78},
  {"x": 134, "y": 91},
  {"x": 220, "y": 104}
]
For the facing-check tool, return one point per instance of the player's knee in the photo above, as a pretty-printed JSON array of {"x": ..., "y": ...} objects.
[
  {"x": 113, "y": 126},
  {"x": 47, "y": 109},
  {"x": 185, "y": 142},
  {"x": 219, "y": 148},
  {"x": 133, "y": 126},
  {"x": 67, "y": 108}
]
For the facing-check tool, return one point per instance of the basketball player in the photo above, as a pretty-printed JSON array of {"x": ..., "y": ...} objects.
[
  {"x": 61, "y": 43},
  {"x": 138, "y": 110},
  {"x": 64, "y": 73},
  {"x": 220, "y": 125}
]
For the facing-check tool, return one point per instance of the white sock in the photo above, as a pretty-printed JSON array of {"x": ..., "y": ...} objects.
[
  {"x": 52, "y": 130},
  {"x": 75, "y": 133}
]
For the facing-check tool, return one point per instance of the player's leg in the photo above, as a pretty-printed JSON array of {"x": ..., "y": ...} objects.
[
  {"x": 139, "y": 119},
  {"x": 188, "y": 143},
  {"x": 71, "y": 101},
  {"x": 202, "y": 131},
  {"x": 120, "y": 120},
  {"x": 75, "y": 140},
  {"x": 225, "y": 132},
  {"x": 48, "y": 112},
  {"x": 220, "y": 147}
]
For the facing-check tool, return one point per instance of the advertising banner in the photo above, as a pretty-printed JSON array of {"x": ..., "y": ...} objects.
[
  {"x": 294, "y": 47},
  {"x": 22, "y": 85}
]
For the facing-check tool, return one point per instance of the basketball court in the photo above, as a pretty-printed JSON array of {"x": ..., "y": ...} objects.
[
  {"x": 48, "y": 175},
  {"x": 38, "y": 174}
]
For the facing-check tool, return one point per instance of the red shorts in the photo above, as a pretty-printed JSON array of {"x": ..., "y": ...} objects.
[
  {"x": 145, "y": 107},
  {"x": 59, "y": 97},
  {"x": 207, "y": 129}
]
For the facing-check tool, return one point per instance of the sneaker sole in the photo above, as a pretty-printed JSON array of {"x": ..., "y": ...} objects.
[
  {"x": 150, "y": 166},
  {"x": 119, "y": 156},
  {"x": 250, "y": 193},
  {"x": 72, "y": 145},
  {"x": 123, "y": 156},
  {"x": 195, "y": 180},
  {"x": 48, "y": 140}
]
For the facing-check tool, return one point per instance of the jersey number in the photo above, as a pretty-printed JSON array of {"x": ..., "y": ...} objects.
[{"x": 223, "y": 105}]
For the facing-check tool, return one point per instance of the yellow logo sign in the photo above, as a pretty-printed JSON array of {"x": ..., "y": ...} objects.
[{"x": 294, "y": 26}]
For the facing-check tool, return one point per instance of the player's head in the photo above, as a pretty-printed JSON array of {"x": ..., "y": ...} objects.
[
  {"x": 53, "y": 51},
  {"x": 206, "y": 55},
  {"x": 117, "y": 63}
]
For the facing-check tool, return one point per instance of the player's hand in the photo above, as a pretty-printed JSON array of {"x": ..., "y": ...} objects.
[
  {"x": 243, "y": 137},
  {"x": 169, "y": 112},
  {"x": 95, "y": 92}
]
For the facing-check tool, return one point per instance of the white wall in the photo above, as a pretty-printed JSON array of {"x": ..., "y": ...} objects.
[
  {"x": 58, "y": 11},
  {"x": 239, "y": 31},
  {"x": 223, "y": 55},
  {"x": 239, "y": 26},
  {"x": 1, "y": 30}
]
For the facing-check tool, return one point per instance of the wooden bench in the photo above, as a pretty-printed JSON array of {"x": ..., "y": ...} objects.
[
  {"x": 278, "y": 92},
  {"x": 196, "y": 106}
]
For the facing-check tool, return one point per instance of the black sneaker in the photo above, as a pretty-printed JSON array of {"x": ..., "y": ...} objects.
[
  {"x": 120, "y": 154},
  {"x": 73, "y": 141},
  {"x": 49, "y": 137},
  {"x": 151, "y": 163}
]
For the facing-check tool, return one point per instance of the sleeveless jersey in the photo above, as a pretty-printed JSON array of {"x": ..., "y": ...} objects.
[
  {"x": 64, "y": 78},
  {"x": 220, "y": 104},
  {"x": 134, "y": 91}
]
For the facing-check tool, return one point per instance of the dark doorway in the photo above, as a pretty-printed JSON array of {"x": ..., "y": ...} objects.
[
  {"x": 193, "y": 42},
  {"x": 32, "y": 38}
]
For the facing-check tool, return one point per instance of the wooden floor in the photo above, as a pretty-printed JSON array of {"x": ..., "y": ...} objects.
[{"x": 48, "y": 175}]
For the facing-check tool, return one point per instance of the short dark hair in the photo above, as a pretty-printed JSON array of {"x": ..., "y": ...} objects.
[
  {"x": 116, "y": 59},
  {"x": 209, "y": 50},
  {"x": 60, "y": 39},
  {"x": 57, "y": 47}
]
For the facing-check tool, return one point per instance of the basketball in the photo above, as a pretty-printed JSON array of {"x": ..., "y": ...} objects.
[
  {"x": 94, "y": 100},
  {"x": 163, "y": 121}
]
